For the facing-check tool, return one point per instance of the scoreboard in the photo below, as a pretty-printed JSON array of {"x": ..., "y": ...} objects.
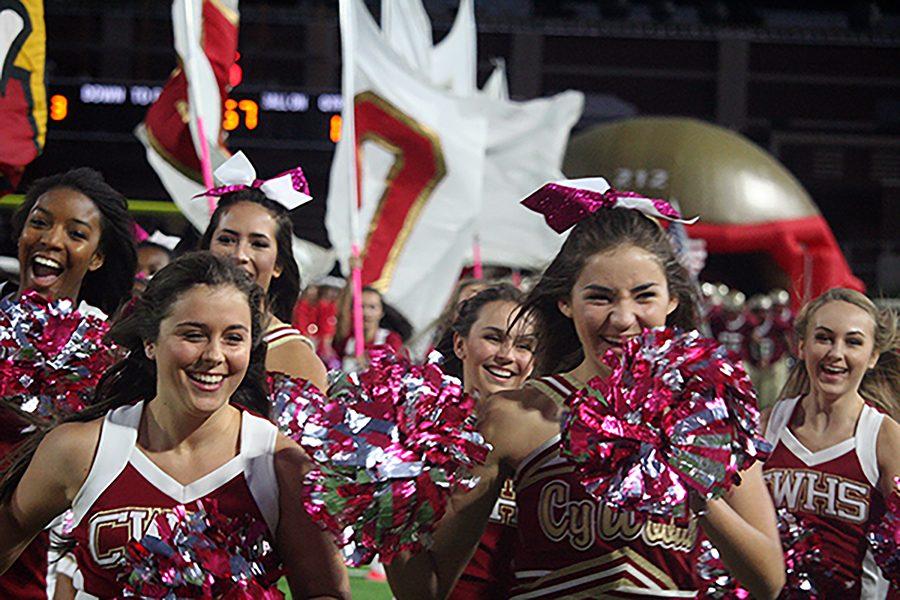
[
  {"x": 280, "y": 116},
  {"x": 91, "y": 123}
]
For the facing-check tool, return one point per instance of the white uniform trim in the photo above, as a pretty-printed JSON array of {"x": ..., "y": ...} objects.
[
  {"x": 652, "y": 589},
  {"x": 258, "y": 437},
  {"x": 531, "y": 455},
  {"x": 866, "y": 436},
  {"x": 560, "y": 387},
  {"x": 78, "y": 584},
  {"x": 810, "y": 458},
  {"x": 117, "y": 447},
  {"x": 873, "y": 585},
  {"x": 864, "y": 440},
  {"x": 872, "y": 580},
  {"x": 117, "y": 434},
  {"x": 778, "y": 419}
]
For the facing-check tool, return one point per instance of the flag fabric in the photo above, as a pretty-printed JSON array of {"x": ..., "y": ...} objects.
[
  {"x": 420, "y": 165},
  {"x": 496, "y": 86},
  {"x": 23, "y": 94},
  {"x": 406, "y": 27},
  {"x": 198, "y": 86},
  {"x": 526, "y": 140},
  {"x": 452, "y": 63},
  {"x": 454, "y": 60},
  {"x": 206, "y": 39}
]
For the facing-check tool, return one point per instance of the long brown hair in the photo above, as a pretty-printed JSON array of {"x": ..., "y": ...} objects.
[
  {"x": 134, "y": 377},
  {"x": 880, "y": 386},
  {"x": 558, "y": 347}
]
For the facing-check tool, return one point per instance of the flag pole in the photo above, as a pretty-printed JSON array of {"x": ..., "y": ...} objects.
[
  {"x": 349, "y": 137},
  {"x": 206, "y": 164},
  {"x": 477, "y": 271},
  {"x": 205, "y": 160}
]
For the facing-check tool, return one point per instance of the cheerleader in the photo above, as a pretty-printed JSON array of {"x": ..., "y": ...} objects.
[
  {"x": 615, "y": 275},
  {"x": 74, "y": 241},
  {"x": 252, "y": 226},
  {"x": 490, "y": 354},
  {"x": 836, "y": 451},
  {"x": 169, "y": 435},
  {"x": 374, "y": 314},
  {"x": 153, "y": 254}
]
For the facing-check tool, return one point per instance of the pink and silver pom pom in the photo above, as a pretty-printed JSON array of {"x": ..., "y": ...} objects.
[
  {"x": 392, "y": 444},
  {"x": 674, "y": 415},
  {"x": 51, "y": 356},
  {"x": 884, "y": 538},
  {"x": 292, "y": 400},
  {"x": 201, "y": 553}
]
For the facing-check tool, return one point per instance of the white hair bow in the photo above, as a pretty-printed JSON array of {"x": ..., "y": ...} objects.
[
  {"x": 166, "y": 241},
  {"x": 288, "y": 189}
]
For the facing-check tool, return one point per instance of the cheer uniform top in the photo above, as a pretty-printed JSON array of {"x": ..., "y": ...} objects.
[
  {"x": 125, "y": 491},
  {"x": 489, "y": 572},
  {"x": 835, "y": 490},
  {"x": 571, "y": 545}
]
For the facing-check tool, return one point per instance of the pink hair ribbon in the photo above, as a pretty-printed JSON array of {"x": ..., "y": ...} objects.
[
  {"x": 288, "y": 189},
  {"x": 565, "y": 203}
]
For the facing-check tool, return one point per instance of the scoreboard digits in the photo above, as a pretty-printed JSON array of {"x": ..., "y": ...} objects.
[{"x": 262, "y": 114}]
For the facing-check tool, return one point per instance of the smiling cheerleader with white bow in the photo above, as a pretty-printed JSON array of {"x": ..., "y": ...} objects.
[{"x": 252, "y": 226}]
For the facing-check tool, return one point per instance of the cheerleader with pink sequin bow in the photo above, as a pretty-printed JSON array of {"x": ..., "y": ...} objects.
[{"x": 615, "y": 277}]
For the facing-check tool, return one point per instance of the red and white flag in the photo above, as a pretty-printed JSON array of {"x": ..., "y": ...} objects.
[
  {"x": 420, "y": 165},
  {"x": 526, "y": 140},
  {"x": 206, "y": 36}
]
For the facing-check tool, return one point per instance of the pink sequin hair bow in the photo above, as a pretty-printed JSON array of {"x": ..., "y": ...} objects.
[
  {"x": 565, "y": 203},
  {"x": 289, "y": 189}
]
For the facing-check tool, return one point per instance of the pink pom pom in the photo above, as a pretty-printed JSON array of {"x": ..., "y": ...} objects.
[
  {"x": 884, "y": 537},
  {"x": 293, "y": 400},
  {"x": 675, "y": 415},
  {"x": 392, "y": 445},
  {"x": 202, "y": 553},
  {"x": 51, "y": 356},
  {"x": 809, "y": 576}
]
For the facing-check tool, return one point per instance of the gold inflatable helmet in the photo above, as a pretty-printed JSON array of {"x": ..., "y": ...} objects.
[{"x": 749, "y": 204}]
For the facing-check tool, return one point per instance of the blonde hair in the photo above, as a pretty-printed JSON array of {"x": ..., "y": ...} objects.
[{"x": 880, "y": 385}]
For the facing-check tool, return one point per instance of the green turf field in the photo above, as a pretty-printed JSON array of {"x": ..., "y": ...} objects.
[{"x": 362, "y": 588}]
